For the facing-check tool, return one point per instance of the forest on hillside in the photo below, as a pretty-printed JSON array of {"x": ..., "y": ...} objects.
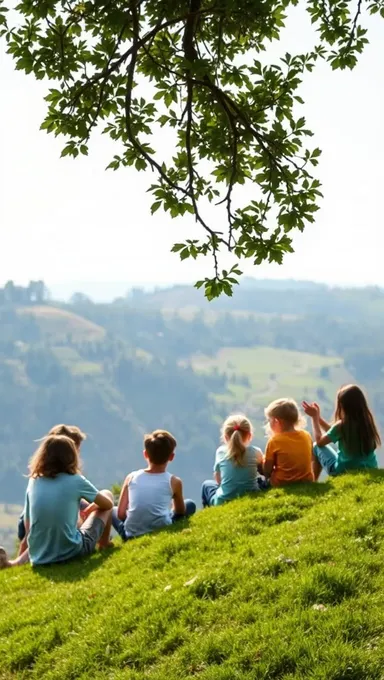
[{"x": 169, "y": 359}]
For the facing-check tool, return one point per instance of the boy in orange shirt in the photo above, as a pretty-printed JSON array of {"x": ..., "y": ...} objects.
[{"x": 288, "y": 455}]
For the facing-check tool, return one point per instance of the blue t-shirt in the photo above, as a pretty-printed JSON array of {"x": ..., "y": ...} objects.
[
  {"x": 236, "y": 480},
  {"x": 52, "y": 507}
]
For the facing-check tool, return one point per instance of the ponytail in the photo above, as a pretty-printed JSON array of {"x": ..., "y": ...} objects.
[
  {"x": 236, "y": 433},
  {"x": 236, "y": 448}
]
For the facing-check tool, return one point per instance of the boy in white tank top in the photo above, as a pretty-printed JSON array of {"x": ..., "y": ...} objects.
[{"x": 151, "y": 498}]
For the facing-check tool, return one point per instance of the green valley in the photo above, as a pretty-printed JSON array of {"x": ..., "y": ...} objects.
[{"x": 169, "y": 359}]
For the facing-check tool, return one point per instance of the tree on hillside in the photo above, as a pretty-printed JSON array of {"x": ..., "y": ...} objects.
[{"x": 234, "y": 139}]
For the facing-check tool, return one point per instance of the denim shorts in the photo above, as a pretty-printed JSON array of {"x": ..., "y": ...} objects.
[{"x": 91, "y": 533}]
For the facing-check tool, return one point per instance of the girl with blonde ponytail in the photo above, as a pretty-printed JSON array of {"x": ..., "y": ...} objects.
[{"x": 237, "y": 464}]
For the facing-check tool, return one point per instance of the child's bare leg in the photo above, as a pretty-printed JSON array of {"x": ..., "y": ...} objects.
[{"x": 106, "y": 518}]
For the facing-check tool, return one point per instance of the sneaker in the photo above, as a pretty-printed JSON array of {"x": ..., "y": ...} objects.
[{"x": 3, "y": 558}]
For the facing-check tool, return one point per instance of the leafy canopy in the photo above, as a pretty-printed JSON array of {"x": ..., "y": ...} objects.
[{"x": 193, "y": 67}]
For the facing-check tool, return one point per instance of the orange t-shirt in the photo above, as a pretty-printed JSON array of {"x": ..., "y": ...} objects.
[{"x": 291, "y": 455}]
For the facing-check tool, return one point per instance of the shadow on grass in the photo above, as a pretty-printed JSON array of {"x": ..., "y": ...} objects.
[
  {"x": 312, "y": 490},
  {"x": 298, "y": 489},
  {"x": 77, "y": 569}
]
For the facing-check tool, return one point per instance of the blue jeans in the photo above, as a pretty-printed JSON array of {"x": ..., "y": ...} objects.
[
  {"x": 21, "y": 528},
  {"x": 327, "y": 458},
  {"x": 118, "y": 524},
  {"x": 208, "y": 490}
]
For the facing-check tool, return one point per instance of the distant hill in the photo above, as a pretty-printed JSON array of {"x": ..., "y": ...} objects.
[
  {"x": 269, "y": 297},
  {"x": 60, "y": 324},
  {"x": 285, "y": 585}
]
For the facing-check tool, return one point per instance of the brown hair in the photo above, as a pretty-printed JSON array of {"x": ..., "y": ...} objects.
[
  {"x": 55, "y": 454},
  {"x": 234, "y": 431},
  {"x": 358, "y": 427},
  {"x": 286, "y": 410},
  {"x": 159, "y": 446},
  {"x": 71, "y": 431}
]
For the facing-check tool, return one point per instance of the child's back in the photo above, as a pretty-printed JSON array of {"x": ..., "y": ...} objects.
[
  {"x": 237, "y": 464},
  {"x": 150, "y": 497},
  {"x": 52, "y": 506},
  {"x": 290, "y": 453},
  {"x": 354, "y": 432},
  {"x": 236, "y": 480}
]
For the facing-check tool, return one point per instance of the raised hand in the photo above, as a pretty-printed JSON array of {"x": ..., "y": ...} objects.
[{"x": 312, "y": 410}]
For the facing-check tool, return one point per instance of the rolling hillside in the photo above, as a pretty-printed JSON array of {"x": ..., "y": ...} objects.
[
  {"x": 59, "y": 325},
  {"x": 285, "y": 585}
]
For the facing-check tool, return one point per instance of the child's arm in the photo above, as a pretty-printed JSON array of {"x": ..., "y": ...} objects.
[
  {"x": 178, "y": 498},
  {"x": 217, "y": 477},
  {"x": 267, "y": 468},
  {"x": 124, "y": 500},
  {"x": 320, "y": 438},
  {"x": 24, "y": 543},
  {"x": 269, "y": 461},
  {"x": 313, "y": 410},
  {"x": 101, "y": 502},
  {"x": 259, "y": 461}
]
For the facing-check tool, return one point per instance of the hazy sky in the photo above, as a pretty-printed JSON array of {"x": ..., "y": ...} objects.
[{"x": 70, "y": 221}]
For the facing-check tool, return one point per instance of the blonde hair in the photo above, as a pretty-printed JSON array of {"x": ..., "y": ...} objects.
[
  {"x": 55, "y": 454},
  {"x": 286, "y": 410},
  {"x": 233, "y": 432}
]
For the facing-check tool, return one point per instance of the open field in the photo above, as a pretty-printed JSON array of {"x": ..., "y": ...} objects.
[
  {"x": 285, "y": 585},
  {"x": 258, "y": 375}
]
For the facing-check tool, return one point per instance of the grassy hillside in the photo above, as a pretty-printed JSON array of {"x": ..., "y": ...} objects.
[
  {"x": 286, "y": 585},
  {"x": 58, "y": 324}
]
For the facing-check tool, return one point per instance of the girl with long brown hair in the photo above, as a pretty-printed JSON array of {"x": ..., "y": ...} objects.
[
  {"x": 53, "y": 497},
  {"x": 354, "y": 432}
]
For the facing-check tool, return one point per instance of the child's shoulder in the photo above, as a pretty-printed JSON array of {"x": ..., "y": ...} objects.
[
  {"x": 254, "y": 449},
  {"x": 221, "y": 452}
]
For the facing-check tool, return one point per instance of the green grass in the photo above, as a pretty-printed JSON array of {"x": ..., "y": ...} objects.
[{"x": 286, "y": 585}]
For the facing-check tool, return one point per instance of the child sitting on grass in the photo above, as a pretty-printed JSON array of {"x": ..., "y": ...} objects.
[
  {"x": 288, "y": 455},
  {"x": 77, "y": 436},
  {"x": 53, "y": 497},
  {"x": 151, "y": 498},
  {"x": 354, "y": 431},
  {"x": 237, "y": 464}
]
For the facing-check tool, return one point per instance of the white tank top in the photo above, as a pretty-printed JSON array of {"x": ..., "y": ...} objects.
[{"x": 150, "y": 495}]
